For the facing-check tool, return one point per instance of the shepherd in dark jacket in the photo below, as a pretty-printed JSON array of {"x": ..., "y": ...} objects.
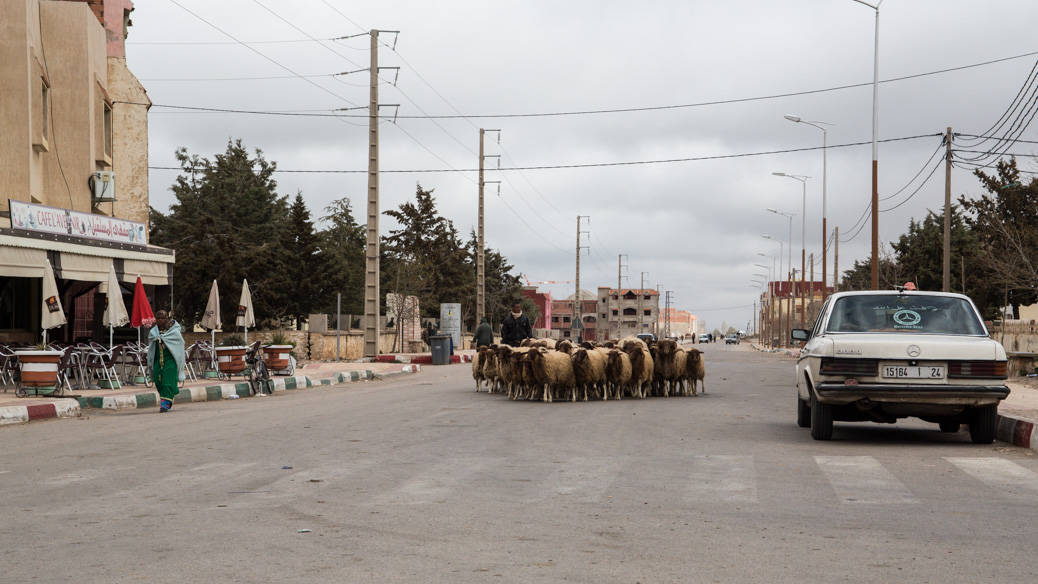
[
  {"x": 516, "y": 327},
  {"x": 484, "y": 334}
]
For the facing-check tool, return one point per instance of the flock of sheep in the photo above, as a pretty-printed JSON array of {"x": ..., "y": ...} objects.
[{"x": 548, "y": 370}]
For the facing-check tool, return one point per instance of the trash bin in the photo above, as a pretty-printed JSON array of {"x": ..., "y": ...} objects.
[{"x": 441, "y": 349}]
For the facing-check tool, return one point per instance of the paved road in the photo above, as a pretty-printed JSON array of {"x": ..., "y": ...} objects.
[{"x": 422, "y": 480}]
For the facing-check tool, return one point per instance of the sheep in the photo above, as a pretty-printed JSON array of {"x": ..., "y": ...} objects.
[
  {"x": 507, "y": 372},
  {"x": 641, "y": 367},
  {"x": 490, "y": 373},
  {"x": 695, "y": 369},
  {"x": 531, "y": 342},
  {"x": 631, "y": 339},
  {"x": 618, "y": 371},
  {"x": 477, "y": 367},
  {"x": 552, "y": 371},
  {"x": 669, "y": 361},
  {"x": 565, "y": 346},
  {"x": 589, "y": 370}
]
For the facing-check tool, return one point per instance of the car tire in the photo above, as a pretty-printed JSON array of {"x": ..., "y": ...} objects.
[
  {"x": 803, "y": 413},
  {"x": 949, "y": 426},
  {"x": 821, "y": 420},
  {"x": 984, "y": 424}
]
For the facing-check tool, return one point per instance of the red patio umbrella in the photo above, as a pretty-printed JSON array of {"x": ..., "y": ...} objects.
[{"x": 142, "y": 314}]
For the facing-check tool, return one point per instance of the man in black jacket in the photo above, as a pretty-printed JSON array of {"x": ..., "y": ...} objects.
[{"x": 516, "y": 327}]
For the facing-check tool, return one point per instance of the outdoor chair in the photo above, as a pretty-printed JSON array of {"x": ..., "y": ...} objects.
[
  {"x": 8, "y": 366},
  {"x": 67, "y": 367}
]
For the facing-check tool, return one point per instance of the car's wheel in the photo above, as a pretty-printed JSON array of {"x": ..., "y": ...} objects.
[
  {"x": 803, "y": 413},
  {"x": 983, "y": 424},
  {"x": 949, "y": 426},
  {"x": 821, "y": 420}
]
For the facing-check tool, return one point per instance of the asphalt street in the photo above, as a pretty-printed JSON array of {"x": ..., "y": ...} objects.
[{"x": 420, "y": 479}]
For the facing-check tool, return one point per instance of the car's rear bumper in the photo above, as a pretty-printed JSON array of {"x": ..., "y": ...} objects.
[{"x": 971, "y": 395}]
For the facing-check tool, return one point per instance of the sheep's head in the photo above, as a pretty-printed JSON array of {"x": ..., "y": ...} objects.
[
  {"x": 667, "y": 347},
  {"x": 581, "y": 363}
]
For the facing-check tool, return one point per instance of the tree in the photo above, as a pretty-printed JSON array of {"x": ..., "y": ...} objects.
[
  {"x": 225, "y": 225},
  {"x": 342, "y": 244},
  {"x": 302, "y": 266},
  {"x": 502, "y": 288},
  {"x": 859, "y": 277},
  {"x": 1005, "y": 223},
  {"x": 425, "y": 256}
]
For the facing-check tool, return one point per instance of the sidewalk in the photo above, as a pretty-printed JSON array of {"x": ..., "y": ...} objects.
[{"x": 15, "y": 410}]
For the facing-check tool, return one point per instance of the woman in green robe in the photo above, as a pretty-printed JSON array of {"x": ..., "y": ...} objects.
[{"x": 166, "y": 358}]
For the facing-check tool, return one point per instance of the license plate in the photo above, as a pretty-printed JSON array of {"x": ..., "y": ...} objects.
[{"x": 911, "y": 372}]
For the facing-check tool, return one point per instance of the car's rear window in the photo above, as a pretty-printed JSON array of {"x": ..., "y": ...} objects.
[{"x": 904, "y": 313}]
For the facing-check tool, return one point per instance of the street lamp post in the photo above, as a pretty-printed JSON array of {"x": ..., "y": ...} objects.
[
  {"x": 825, "y": 174},
  {"x": 875, "y": 159},
  {"x": 803, "y": 237},
  {"x": 777, "y": 275}
]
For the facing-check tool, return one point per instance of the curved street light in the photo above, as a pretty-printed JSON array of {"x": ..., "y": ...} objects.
[{"x": 825, "y": 146}]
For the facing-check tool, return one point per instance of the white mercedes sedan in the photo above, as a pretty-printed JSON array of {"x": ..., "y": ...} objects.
[{"x": 882, "y": 355}]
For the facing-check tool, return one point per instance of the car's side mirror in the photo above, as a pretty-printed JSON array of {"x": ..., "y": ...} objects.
[{"x": 800, "y": 334}]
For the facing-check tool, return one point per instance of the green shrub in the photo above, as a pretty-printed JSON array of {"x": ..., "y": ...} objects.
[{"x": 234, "y": 340}]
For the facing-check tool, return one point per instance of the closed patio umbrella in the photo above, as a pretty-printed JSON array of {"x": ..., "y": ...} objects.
[
  {"x": 52, "y": 314},
  {"x": 115, "y": 311},
  {"x": 211, "y": 318},
  {"x": 141, "y": 314},
  {"x": 246, "y": 318}
]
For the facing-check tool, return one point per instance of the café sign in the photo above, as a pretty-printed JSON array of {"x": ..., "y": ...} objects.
[{"x": 44, "y": 219}]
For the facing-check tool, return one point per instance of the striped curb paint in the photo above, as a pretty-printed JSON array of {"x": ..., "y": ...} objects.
[
  {"x": 63, "y": 408},
  {"x": 1017, "y": 431}
]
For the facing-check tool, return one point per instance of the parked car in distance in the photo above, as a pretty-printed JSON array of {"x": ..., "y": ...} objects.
[
  {"x": 731, "y": 339},
  {"x": 647, "y": 337},
  {"x": 884, "y": 355},
  {"x": 704, "y": 338}
]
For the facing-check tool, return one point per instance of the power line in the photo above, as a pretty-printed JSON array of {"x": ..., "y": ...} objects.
[
  {"x": 650, "y": 108},
  {"x": 253, "y": 49},
  {"x": 921, "y": 185},
  {"x": 597, "y": 164},
  {"x": 270, "y": 42}
]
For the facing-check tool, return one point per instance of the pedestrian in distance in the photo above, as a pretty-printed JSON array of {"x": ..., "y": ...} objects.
[
  {"x": 484, "y": 334},
  {"x": 166, "y": 358},
  {"x": 516, "y": 327}
]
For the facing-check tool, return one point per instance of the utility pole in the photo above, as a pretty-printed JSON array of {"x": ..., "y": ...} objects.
[
  {"x": 836, "y": 260},
  {"x": 575, "y": 324},
  {"x": 946, "y": 280},
  {"x": 620, "y": 268},
  {"x": 641, "y": 295},
  {"x": 481, "y": 290},
  {"x": 666, "y": 314},
  {"x": 371, "y": 260}
]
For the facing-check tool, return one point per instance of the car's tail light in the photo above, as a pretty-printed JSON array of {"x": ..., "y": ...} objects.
[
  {"x": 978, "y": 369},
  {"x": 851, "y": 367}
]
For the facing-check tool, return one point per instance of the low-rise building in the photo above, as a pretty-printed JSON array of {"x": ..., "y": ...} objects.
[
  {"x": 628, "y": 311},
  {"x": 74, "y": 162},
  {"x": 587, "y": 324}
]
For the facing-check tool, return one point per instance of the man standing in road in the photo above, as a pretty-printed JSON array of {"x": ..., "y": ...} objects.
[
  {"x": 165, "y": 358},
  {"x": 484, "y": 334},
  {"x": 516, "y": 327}
]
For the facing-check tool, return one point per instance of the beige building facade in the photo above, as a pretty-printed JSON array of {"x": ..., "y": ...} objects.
[
  {"x": 628, "y": 311},
  {"x": 73, "y": 162}
]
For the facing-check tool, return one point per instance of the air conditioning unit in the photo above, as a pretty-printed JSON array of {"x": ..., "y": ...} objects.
[{"x": 103, "y": 186}]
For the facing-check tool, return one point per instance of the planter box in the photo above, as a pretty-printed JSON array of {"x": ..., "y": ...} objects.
[
  {"x": 39, "y": 370},
  {"x": 277, "y": 356},
  {"x": 231, "y": 360}
]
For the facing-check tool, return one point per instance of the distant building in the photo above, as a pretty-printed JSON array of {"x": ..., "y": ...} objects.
[
  {"x": 682, "y": 322},
  {"x": 627, "y": 311},
  {"x": 542, "y": 300},
  {"x": 562, "y": 317}
]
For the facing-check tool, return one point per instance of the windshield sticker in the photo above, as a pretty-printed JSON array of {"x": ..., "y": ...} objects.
[{"x": 907, "y": 319}]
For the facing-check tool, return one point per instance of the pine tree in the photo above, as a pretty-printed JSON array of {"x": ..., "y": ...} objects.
[{"x": 303, "y": 267}]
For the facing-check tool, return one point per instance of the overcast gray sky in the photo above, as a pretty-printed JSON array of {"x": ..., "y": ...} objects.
[{"x": 694, "y": 226}]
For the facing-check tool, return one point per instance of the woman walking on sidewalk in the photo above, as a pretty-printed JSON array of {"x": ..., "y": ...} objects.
[{"x": 165, "y": 358}]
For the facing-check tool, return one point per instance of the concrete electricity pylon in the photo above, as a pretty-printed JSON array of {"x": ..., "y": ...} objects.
[{"x": 481, "y": 290}]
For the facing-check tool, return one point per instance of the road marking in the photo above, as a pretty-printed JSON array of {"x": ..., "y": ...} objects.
[
  {"x": 729, "y": 478},
  {"x": 434, "y": 485},
  {"x": 584, "y": 478},
  {"x": 862, "y": 479},
  {"x": 997, "y": 472}
]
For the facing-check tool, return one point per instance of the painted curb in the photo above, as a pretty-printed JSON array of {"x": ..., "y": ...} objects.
[
  {"x": 64, "y": 408},
  {"x": 150, "y": 399},
  {"x": 1017, "y": 431}
]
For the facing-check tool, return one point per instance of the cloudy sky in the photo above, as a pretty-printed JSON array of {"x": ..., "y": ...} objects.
[{"x": 694, "y": 226}]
